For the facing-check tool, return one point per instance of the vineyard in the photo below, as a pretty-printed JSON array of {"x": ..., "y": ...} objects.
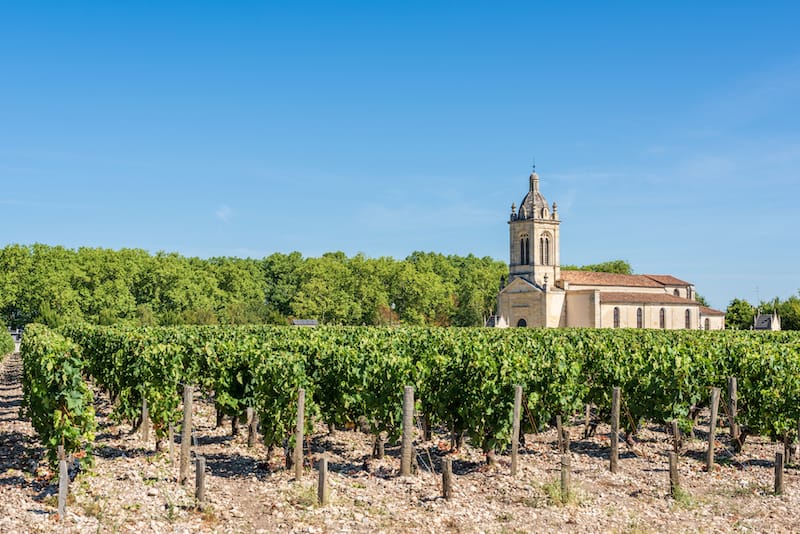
[{"x": 463, "y": 380}]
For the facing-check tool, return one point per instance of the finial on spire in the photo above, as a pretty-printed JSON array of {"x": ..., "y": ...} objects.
[{"x": 534, "y": 164}]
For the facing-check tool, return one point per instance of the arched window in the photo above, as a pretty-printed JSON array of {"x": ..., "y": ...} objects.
[
  {"x": 688, "y": 318},
  {"x": 616, "y": 317},
  {"x": 546, "y": 251},
  {"x": 522, "y": 323},
  {"x": 527, "y": 250},
  {"x": 662, "y": 318},
  {"x": 524, "y": 249},
  {"x": 639, "y": 318},
  {"x": 708, "y": 324},
  {"x": 541, "y": 250}
]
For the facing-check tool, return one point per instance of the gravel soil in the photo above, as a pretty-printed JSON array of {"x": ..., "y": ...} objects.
[{"x": 132, "y": 488}]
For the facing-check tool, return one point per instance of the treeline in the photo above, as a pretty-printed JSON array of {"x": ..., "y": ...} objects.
[
  {"x": 741, "y": 314},
  {"x": 53, "y": 285}
]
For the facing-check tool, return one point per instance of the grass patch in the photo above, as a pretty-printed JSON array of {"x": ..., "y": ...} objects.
[
  {"x": 553, "y": 492},
  {"x": 682, "y": 497},
  {"x": 303, "y": 496}
]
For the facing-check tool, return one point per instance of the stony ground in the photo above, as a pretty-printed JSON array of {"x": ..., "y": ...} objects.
[{"x": 131, "y": 488}]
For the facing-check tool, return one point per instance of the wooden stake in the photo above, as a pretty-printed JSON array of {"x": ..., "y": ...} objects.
[
  {"x": 298, "y": 434},
  {"x": 587, "y": 420},
  {"x": 565, "y": 478},
  {"x": 615, "y": 401},
  {"x": 145, "y": 427},
  {"x": 200, "y": 481},
  {"x": 252, "y": 426},
  {"x": 447, "y": 478},
  {"x": 673, "y": 474},
  {"x": 732, "y": 407},
  {"x": 407, "y": 447},
  {"x": 560, "y": 434},
  {"x": 186, "y": 435},
  {"x": 63, "y": 482},
  {"x": 712, "y": 429},
  {"x": 515, "y": 431},
  {"x": 676, "y": 436},
  {"x": 323, "y": 491},
  {"x": 778, "y": 473},
  {"x": 171, "y": 438}
]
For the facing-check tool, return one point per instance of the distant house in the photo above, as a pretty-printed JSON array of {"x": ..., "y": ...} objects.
[
  {"x": 540, "y": 294},
  {"x": 305, "y": 322},
  {"x": 766, "y": 321}
]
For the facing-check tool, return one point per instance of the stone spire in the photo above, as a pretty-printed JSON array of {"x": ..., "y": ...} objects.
[{"x": 534, "y": 179}]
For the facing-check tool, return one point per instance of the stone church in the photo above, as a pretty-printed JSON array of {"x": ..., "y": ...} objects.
[{"x": 540, "y": 294}]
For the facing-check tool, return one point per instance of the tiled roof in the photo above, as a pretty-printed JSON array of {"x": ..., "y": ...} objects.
[
  {"x": 644, "y": 298},
  {"x": 667, "y": 279},
  {"x": 590, "y": 278},
  {"x": 704, "y": 310}
]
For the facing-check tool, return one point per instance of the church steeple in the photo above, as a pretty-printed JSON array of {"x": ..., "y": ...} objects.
[
  {"x": 534, "y": 238},
  {"x": 534, "y": 181}
]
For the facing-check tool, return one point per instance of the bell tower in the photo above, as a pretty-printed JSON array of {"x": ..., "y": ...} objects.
[{"x": 534, "y": 253}]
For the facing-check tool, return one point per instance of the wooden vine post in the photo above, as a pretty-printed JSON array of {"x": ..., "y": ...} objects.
[
  {"x": 515, "y": 430},
  {"x": 63, "y": 482},
  {"x": 560, "y": 433},
  {"x": 712, "y": 429},
  {"x": 615, "y": 401},
  {"x": 323, "y": 489},
  {"x": 565, "y": 478},
  {"x": 186, "y": 435},
  {"x": 252, "y": 426},
  {"x": 778, "y": 473},
  {"x": 587, "y": 420},
  {"x": 676, "y": 436},
  {"x": 171, "y": 438},
  {"x": 407, "y": 447},
  {"x": 200, "y": 481},
  {"x": 674, "y": 483},
  {"x": 298, "y": 434},
  {"x": 732, "y": 407},
  {"x": 447, "y": 478},
  {"x": 145, "y": 426}
]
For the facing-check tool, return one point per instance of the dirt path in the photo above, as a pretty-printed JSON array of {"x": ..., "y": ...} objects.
[{"x": 20, "y": 452}]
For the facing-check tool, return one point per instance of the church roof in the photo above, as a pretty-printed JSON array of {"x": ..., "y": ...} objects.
[
  {"x": 644, "y": 298},
  {"x": 534, "y": 201},
  {"x": 667, "y": 280},
  {"x": 591, "y": 278},
  {"x": 705, "y": 310}
]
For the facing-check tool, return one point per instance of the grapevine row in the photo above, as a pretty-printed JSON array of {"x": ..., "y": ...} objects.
[{"x": 464, "y": 378}]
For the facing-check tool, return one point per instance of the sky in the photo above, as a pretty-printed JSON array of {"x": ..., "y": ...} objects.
[{"x": 668, "y": 133}]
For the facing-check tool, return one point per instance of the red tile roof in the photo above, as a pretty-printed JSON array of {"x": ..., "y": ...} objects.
[
  {"x": 704, "y": 310},
  {"x": 590, "y": 278},
  {"x": 667, "y": 279},
  {"x": 644, "y": 298}
]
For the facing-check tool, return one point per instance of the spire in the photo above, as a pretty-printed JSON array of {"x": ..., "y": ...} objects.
[{"x": 534, "y": 181}]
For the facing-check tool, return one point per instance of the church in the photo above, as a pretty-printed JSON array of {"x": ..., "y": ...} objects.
[{"x": 540, "y": 294}]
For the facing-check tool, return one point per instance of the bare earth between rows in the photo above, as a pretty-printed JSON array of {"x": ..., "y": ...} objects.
[{"x": 132, "y": 488}]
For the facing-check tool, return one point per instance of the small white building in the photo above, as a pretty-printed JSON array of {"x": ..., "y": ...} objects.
[
  {"x": 540, "y": 294},
  {"x": 767, "y": 321}
]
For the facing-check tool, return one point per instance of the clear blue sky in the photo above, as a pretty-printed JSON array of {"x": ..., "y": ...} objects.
[{"x": 669, "y": 135}]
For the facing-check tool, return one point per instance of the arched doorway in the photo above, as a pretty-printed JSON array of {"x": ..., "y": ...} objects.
[{"x": 522, "y": 323}]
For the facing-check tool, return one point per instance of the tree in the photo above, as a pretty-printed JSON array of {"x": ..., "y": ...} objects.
[
  {"x": 789, "y": 311},
  {"x": 739, "y": 315},
  {"x": 614, "y": 266}
]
